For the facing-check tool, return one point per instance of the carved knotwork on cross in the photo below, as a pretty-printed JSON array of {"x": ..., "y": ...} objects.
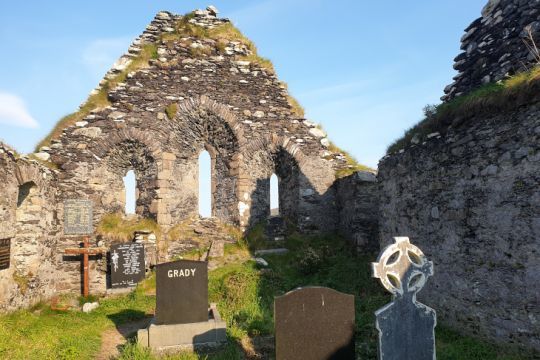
[{"x": 406, "y": 327}]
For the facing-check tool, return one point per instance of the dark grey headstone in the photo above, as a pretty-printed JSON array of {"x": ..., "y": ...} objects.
[
  {"x": 314, "y": 323},
  {"x": 181, "y": 292},
  {"x": 406, "y": 327},
  {"x": 127, "y": 264},
  {"x": 78, "y": 217}
]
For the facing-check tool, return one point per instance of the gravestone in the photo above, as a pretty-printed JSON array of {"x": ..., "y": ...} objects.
[
  {"x": 406, "y": 327},
  {"x": 217, "y": 249},
  {"x": 314, "y": 323},
  {"x": 78, "y": 217},
  {"x": 181, "y": 292},
  {"x": 127, "y": 264}
]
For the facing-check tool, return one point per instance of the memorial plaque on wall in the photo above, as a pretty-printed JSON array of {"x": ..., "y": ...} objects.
[
  {"x": 127, "y": 264},
  {"x": 181, "y": 292},
  {"x": 78, "y": 217},
  {"x": 5, "y": 251},
  {"x": 314, "y": 323}
]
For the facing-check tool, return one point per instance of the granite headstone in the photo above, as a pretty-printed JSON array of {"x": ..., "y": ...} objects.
[
  {"x": 181, "y": 292},
  {"x": 314, "y": 323},
  {"x": 406, "y": 327},
  {"x": 127, "y": 264}
]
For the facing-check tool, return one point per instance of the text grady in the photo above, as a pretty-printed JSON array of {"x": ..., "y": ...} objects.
[{"x": 181, "y": 273}]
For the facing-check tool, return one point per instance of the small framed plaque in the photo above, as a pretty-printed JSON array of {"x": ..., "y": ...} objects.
[{"x": 78, "y": 217}]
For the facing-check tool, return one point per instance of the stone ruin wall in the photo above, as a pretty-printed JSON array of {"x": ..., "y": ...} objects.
[
  {"x": 27, "y": 218},
  {"x": 470, "y": 201},
  {"x": 235, "y": 110},
  {"x": 358, "y": 208},
  {"x": 494, "y": 45}
]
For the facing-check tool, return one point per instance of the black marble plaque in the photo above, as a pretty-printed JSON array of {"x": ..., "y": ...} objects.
[
  {"x": 314, "y": 323},
  {"x": 127, "y": 264},
  {"x": 5, "y": 253},
  {"x": 78, "y": 217},
  {"x": 181, "y": 292}
]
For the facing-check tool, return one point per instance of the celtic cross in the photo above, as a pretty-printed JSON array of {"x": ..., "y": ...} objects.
[{"x": 406, "y": 327}]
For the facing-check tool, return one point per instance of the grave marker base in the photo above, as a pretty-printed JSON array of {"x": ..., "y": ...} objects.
[{"x": 171, "y": 337}]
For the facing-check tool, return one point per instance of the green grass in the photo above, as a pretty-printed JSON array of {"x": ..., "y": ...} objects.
[
  {"x": 490, "y": 99},
  {"x": 245, "y": 295},
  {"x": 117, "y": 228},
  {"x": 41, "y": 333},
  {"x": 352, "y": 165},
  {"x": 100, "y": 100}
]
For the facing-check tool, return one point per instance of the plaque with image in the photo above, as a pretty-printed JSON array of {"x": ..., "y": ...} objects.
[{"x": 127, "y": 264}]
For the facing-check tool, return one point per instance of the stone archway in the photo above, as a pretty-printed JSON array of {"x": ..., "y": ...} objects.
[
  {"x": 263, "y": 157},
  {"x": 126, "y": 150},
  {"x": 203, "y": 124}
]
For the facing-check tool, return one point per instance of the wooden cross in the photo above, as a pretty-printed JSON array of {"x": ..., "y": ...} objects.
[{"x": 85, "y": 251}]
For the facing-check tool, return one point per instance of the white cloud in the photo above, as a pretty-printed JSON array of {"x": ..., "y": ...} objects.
[
  {"x": 99, "y": 55},
  {"x": 13, "y": 112}
]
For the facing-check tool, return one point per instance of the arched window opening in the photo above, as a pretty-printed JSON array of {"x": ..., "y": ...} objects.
[
  {"x": 205, "y": 184},
  {"x": 130, "y": 188},
  {"x": 274, "y": 195},
  {"x": 25, "y": 192}
]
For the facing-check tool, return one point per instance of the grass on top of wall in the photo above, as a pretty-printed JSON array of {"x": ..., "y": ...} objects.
[
  {"x": 100, "y": 100},
  {"x": 489, "y": 99},
  {"x": 116, "y": 227},
  {"x": 222, "y": 34},
  {"x": 352, "y": 165}
]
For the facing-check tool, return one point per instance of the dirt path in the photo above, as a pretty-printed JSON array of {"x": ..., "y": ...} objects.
[{"x": 112, "y": 339}]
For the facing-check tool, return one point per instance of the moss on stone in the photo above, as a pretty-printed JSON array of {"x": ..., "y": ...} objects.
[
  {"x": 171, "y": 110},
  {"x": 22, "y": 282}
]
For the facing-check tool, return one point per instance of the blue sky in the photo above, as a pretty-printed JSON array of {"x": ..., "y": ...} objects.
[{"x": 362, "y": 69}]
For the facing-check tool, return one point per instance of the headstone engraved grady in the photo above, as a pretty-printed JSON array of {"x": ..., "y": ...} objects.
[
  {"x": 314, "y": 323},
  {"x": 78, "y": 217},
  {"x": 181, "y": 292},
  {"x": 406, "y": 327},
  {"x": 127, "y": 264}
]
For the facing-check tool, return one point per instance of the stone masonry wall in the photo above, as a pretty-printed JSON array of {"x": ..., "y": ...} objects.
[
  {"x": 358, "y": 207},
  {"x": 471, "y": 202},
  {"x": 196, "y": 95},
  {"x": 29, "y": 219},
  {"x": 494, "y": 45}
]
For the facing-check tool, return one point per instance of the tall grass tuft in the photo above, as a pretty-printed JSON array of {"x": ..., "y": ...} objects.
[{"x": 117, "y": 228}]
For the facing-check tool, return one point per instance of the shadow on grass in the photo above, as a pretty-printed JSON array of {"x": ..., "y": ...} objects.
[{"x": 128, "y": 321}]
